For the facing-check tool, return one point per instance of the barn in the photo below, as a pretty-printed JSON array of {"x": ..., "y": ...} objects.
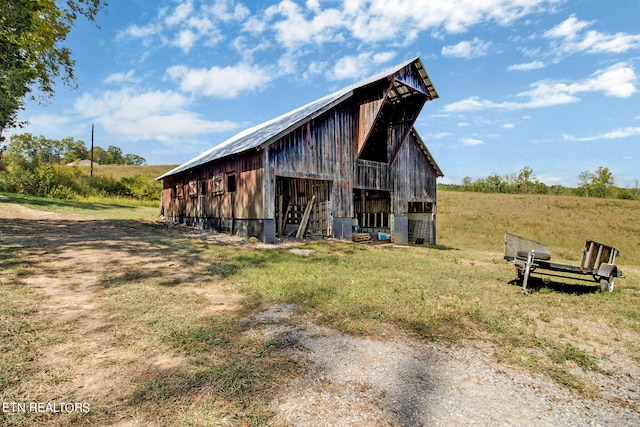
[{"x": 349, "y": 162}]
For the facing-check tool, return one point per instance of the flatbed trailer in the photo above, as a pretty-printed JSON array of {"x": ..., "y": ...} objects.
[{"x": 528, "y": 256}]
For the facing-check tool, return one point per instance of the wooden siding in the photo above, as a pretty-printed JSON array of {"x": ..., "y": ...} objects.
[
  {"x": 413, "y": 176},
  {"x": 372, "y": 175},
  {"x": 322, "y": 149},
  {"x": 293, "y": 195},
  {"x": 409, "y": 77},
  {"x": 322, "y": 156},
  {"x": 368, "y": 114},
  {"x": 245, "y": 202}
]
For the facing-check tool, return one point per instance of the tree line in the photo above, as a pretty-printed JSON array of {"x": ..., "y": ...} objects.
[
  {"x": 598, "y": 183},
  {"x": 27, "y": 148},
  {"x": 38, "y": 166}
]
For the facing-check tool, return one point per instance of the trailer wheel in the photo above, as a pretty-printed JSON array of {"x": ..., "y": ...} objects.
[{"x": 606, "y": 284}]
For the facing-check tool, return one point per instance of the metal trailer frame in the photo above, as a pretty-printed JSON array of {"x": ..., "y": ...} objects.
[{"x": 528, "y": 256}]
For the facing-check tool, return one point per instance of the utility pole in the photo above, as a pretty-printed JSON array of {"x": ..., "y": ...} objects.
[{"x": 91, "y": 173}]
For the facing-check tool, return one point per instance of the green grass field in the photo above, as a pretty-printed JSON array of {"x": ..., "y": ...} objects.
[
  {"x": 479, "y": 220},
  {"x": 120, "y": 171},
  {"x": 460, "y": 290}
]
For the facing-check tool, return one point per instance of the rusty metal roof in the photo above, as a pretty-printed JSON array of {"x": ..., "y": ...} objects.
[{"x": 262, "y": 135}]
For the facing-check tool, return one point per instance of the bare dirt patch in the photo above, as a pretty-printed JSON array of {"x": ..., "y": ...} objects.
[{"x": 70, "y": 259}]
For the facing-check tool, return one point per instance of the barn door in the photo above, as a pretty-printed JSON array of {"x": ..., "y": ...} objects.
[
  {"x": 302, "y": 204},
  {"x": 372, "y": 208}
]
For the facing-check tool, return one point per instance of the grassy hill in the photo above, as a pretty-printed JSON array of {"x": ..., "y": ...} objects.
[
  {"x": 479, "y": 220},
  {"x": 119, "y": 171}
]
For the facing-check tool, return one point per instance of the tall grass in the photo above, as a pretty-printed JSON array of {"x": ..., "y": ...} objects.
[
  {"x": 477, "y": 220},
  {"x": 117, "y": 172}
]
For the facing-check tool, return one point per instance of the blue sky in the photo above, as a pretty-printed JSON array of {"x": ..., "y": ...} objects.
[{"x": 549, "y": 84}]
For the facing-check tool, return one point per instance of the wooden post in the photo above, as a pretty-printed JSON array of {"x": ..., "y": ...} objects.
[
  {"x": 286, "y": 216},
  {"x": 280, "y": 223},
  {"x": 305, "y": 218},
  {"x": 91, "y": 172}
]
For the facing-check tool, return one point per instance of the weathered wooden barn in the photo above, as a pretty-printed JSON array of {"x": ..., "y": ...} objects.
[{"x": 349, "y": 161}]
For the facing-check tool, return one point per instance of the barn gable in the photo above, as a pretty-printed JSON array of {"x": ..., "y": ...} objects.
[{"x": 349, "y": 161}]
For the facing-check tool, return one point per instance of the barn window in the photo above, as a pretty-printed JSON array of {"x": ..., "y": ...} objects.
[
  {"x": 218, "y": 184},
  {"x": 231, "y": 183},
  {"x": 179, "y": 192},
  {"x": 203, "y": 187},
  {"x": 193, "y": 188},
  {"x": 420, "y": 207}
]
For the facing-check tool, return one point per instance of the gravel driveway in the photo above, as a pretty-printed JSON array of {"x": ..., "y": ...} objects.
[{"x": 399, "y": 381}]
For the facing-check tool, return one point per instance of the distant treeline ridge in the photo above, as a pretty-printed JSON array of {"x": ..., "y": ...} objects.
[{"x": 599, "y": 183}]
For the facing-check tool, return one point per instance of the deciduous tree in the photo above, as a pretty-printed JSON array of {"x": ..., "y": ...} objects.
[{"x": 31, "y": 50}]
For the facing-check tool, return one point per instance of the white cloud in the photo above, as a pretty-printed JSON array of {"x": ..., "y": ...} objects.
[
  {"x": 352, "y": 67},
  {"x": 527, "y": 66},
  {"x": 397, "y": 21},
  {"x": 179, "y": 14},
  {"x": 118, "y": 78},
  {"x": 145, "y": 32},
  {"x": 508, "y": 126},
  {"x": 471, "y": 142},
  {"x": 221, "y": 82},
  {"x": 295, "y": 29},
  {"x": 228, "y": 11},
  {"x": 185, "y": 25},
  {"x": 568, "y": 29},
  {"x": 614, "y": 134},
  {"x": 185, "y": 40},
  {"x": 382, "y": 57},
  {"x": 48, "y": 122},
  {"x": 439, "y": 135},
  {"x": 467, "y": 49},
  {"x": 572, "y": 38},
  {"x": 159, "y": 115},
  {"x": 618, "y": 81}
]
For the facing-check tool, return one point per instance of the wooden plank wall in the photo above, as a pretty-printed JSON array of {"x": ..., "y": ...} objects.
[
  {"x": 372, "y": 208},
  {"x": 322, "y": 149},
  {"x": 411, "y": 78},
  {"x": 372, "y": 175},
  {"x": 413, "y": 176},
  {"x": 244, "y": 203}
]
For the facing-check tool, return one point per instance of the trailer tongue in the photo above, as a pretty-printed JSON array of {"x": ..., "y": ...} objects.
[{"x": 529, "y": 256}]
